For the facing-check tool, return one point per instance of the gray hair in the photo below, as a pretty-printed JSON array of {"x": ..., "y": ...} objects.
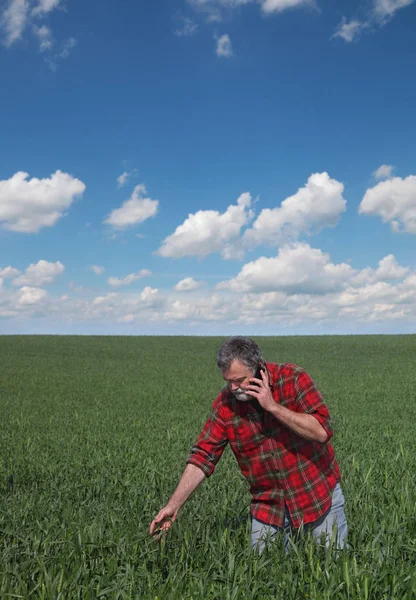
[{"x": 240, "y": 348}]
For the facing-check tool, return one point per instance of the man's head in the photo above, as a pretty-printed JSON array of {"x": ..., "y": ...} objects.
[{"x": 238, "y": 360}]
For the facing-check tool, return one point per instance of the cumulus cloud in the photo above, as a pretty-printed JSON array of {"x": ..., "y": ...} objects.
[
  {"x": 188, "y": 285},
  {"x": 97, "y": 269},
  {"x": 209, "y": 231},
  {"x": 297, "y": 269},
  {"x": 394, "y": 201},
  {"x": 149, "y": 295},
  {"x": 62, "y": 53},
  {"x": 349, "y": 30},
  {"x": 342, "y": 299},
  {"x": 380, "y": 13},
  {"x": 388, "y": 270},
  {"x": 44, "y": 7},
  {"x": 18, "y": 14},
  {"x": 14, "y": 20},
  {"x": 318, "y": 204},
  {"x": 44, "y": 36},
  {"x": 31, "y": 295},
  {"x": 115, "y": 282},
  {"x": 104, "y": 299},
  {"x": 123, "y": 179},
  {"x": 224, "y": 46},
  {"x": 383, "y": 172},
  {"x": 385, "y": 9},
  {"x": 41, "y": 273},
  {"x": 216, "y": 9},
  {"x": 133, "y": 211},
  {"x": 187, "y": 28},
  {"x": 271, "y": 6},
  {"x": 27, "y": 205},
  {"x": 9, "y": 272}
]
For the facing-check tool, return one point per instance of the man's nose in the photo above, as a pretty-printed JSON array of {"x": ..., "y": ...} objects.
[{"x": 234, "y": 386}]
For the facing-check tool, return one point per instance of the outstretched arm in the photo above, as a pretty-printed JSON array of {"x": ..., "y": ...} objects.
[
  {"x": 201, "y": 461},
  {"x": 191, "y": 478}
]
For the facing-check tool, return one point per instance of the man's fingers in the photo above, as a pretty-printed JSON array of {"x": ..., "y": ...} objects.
[
  {"x": 253, "y": 388},
  {"x": 156, "y": 521},
  {"x": 162, "y": 521},
  {"x": 153, "y": 525}
]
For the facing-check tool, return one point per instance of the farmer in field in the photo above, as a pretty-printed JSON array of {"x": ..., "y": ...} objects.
[{"x": 279, "y": 429}]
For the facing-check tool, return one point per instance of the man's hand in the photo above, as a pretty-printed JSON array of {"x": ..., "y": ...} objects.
[
  {"x": 163, "y": 520},
  {"x": 260, "y": 390}
]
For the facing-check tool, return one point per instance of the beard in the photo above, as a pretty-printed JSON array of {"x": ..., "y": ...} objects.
[{"x": 242, "y": 396}]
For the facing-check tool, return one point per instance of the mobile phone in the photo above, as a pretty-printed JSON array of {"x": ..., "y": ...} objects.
[{"x": 257, "y": 374}]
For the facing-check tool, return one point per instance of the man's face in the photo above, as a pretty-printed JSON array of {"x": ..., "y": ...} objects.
[{"x": 238, "y": 378}]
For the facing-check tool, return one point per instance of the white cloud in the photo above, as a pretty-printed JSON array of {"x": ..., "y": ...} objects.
[
  {"x": 385, "y": 9},
  {"x": 318, "y": 204},
  {"x": 388, "y": 270},
  {"x": 383, "y": 172},
  {"x": 14, "y": 20},
  {"x": 215, "y": 8},
  {"x": 270, "y": 6},
  {"x": 135, "y": 210},
  {"x": 9, "y": 272},
  {"x": 381, "y": 12},
  {"x": 115, "y": 282},
  {"x": 297, "y": 269},
  {"x": 341, "y": 300},
  {"x": 188, "y": 27},
  {"x": 41, "y": 273},
  {"x": 123, "y": 179},
  {"x": 349, "y": 30},
  {"x": 149, "y": 295},
  {"x": 208, "y": 231},
  {"x": 31, "y": 295},
  {"x": 21, "y": 13},
  {"x": 394, "y": 201},
  {"x": 188, "y": 285},
  {"x": 44, "y": 36},
  {"x": 104, "y": 299},
  {"x": 28, "y": 205},
  {"x": 44, "y": 7},
  {"x": 97, "y": 269},
  {"x": 65, "y": 49},
  {"x": 224, "y": 46}
]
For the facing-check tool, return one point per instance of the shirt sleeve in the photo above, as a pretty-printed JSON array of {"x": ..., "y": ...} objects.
[
  {"x": 210, "y": 445},
  {"x": 309, "y": 400}
]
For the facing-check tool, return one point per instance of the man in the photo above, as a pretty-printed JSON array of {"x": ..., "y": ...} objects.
[{"x": 278, "y": 428}]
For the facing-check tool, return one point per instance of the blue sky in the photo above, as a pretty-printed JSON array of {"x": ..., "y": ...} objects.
[{"x": 207, "y": 166}]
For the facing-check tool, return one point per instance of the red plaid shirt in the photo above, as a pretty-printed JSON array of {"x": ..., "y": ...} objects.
[{"x": 281, "y": 467}]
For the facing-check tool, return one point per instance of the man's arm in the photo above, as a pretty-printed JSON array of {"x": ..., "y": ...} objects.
[
  {"x": 191, "y": 478},
  {"x": 202, "y": 460},
  {"x": 309, "y": 423},
  {"x": 307, "y": 426}
]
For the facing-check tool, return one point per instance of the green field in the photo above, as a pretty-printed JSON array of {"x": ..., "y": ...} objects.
[{"x": 94, "y": 436}]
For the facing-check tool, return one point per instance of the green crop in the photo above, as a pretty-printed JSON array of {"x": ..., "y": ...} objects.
[{"x": 93, "y": 439}]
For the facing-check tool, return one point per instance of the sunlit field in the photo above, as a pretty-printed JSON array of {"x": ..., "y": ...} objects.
[{"x": 94, "y": 436}]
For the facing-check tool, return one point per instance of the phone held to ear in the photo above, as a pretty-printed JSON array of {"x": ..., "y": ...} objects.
[{"x": 257, "y": 374}]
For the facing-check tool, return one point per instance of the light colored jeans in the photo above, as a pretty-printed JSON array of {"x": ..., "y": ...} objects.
[{"x": 332, "y": 521}]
